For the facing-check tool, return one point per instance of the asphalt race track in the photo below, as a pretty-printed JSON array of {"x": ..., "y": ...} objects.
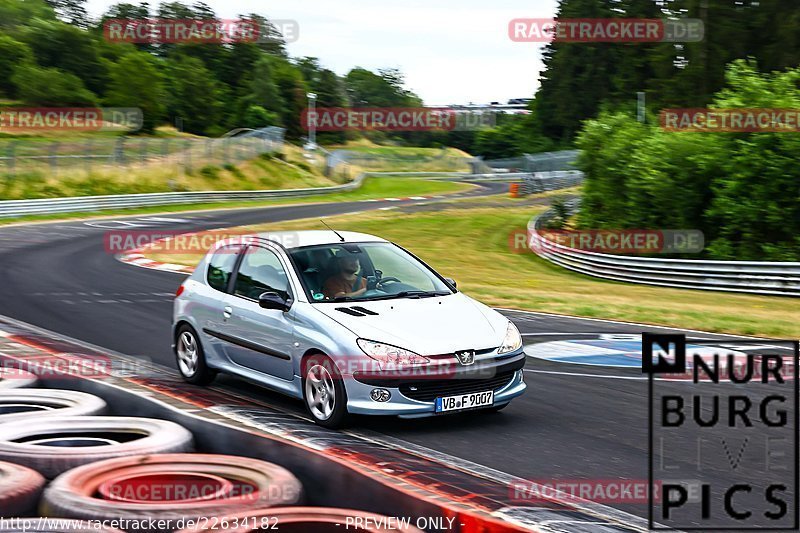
[{"x": 576, "y": 421}]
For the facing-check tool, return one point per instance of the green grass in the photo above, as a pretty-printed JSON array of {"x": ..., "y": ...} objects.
[
  {"x": 372, "y": 188},
  {"x": 472, "y": 246},
  {"x": 409, "y": 158}
]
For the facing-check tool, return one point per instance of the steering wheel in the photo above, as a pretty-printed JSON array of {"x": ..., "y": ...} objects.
[{"x": 386, "y": 279}]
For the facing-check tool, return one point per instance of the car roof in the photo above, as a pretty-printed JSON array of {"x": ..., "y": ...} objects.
[{"x": 299, "y": 239}]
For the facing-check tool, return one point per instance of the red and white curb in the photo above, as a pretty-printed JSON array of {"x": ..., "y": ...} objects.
[
  {"x": 137, "y": 257},
  {"x": 403, "y": 199}
]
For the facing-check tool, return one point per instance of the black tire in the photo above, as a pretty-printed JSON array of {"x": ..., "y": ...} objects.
[
  {"x": 22, "y": 405},
  {"x": 202, "y": 374},
  {"x": 13, "y": 378},
  {"x": 316, "y": 366},
  {"x": 22, "y": 487},
  {"x": 54, "y": 445}
]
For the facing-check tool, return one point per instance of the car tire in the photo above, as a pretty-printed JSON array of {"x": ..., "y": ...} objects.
[
  {"x": 21, "y": 405},
  {"x": 54, "y": 445},
  {"x": 301, "y": 519},
  {"x": 190, "y": 357},
  {"x": 22, "y": 487},
  {"x": 261, "y": 485},
  {"x": 12, "y": 378},
  {"x": 324, "y": 394}
]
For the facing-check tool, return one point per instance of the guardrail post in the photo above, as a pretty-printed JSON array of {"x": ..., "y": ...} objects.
[
  {"x": 119, "y": 151},
  {"x": 87, "y": 151},
  {"x": 12, "y": 158},
  {"x": 53, "y": 158},
  {"x": 187, "y": 164}
]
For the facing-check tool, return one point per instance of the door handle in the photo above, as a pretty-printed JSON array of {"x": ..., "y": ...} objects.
[{"x": 227, "y": 312}]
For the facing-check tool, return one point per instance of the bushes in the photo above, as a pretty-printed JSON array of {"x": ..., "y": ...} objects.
[{"x": 740, "y": 189}]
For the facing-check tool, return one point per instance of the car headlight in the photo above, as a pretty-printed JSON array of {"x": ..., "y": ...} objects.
[
  {"x": 391, "y": 356},
  {"x": 513, "y": 340}
]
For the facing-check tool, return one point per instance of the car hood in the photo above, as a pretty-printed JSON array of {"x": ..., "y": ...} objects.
[{"x": 427, "y": 326}]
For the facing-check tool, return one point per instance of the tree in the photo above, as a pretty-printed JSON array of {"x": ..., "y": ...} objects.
[
  {"x": 270, "y": 39},
  {"x": 292, "y": 89},
  {"x": 67, "y": 48},
  {"x": 264, "y": 88},
  {"x": 137, "y": 82},
  {"x": 195, "y": 97},
  {"x": 12, "y": 54},
  {"x": 16, "y": 13},
  {"x": 71, "y": 11},
  {"x": 257, "y": 117},
  {"x": 50, "y": 87},
  {"x": 367, "y": 89},
  {"x": 740, "y": 189}
]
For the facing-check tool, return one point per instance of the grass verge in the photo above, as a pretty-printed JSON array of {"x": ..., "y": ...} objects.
[{"x": 472, "y": 246}]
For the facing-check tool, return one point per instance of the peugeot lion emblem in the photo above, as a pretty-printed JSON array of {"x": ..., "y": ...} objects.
[{"x": 466, "y": 357}]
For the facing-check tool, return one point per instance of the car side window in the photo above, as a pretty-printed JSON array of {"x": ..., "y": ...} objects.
[
  {"x": 260, "y": 271},
  {"x": 220, "y": 267}
]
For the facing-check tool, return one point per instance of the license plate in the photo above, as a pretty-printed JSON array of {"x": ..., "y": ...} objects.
[{"x": 461, "y": 402}]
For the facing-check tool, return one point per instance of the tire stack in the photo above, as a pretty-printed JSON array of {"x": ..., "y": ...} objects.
[{"x": 62, "y": 457}]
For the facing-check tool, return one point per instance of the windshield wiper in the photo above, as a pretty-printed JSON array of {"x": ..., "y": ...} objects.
[
  {"x": 411, "y": 294},
  {"x": 344, "y": 299}
]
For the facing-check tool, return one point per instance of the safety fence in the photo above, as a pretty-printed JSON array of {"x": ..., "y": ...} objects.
[
  {"x": 542, "y": 162},
  {"x": 91, "y": 154},
  {"x": 753, "y": 277}
]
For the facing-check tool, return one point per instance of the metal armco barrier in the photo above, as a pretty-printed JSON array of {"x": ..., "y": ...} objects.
[
  {"x": 753, "y": 277},
  {"x": 82, "y": 204},
  {"x": 78, "y": 204}
]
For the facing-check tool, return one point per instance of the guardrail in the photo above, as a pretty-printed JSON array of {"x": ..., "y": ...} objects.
[
  {"x": 82, "y": 204},
  {"x": 79, "y": 204},
  {"x": 753, "y": 277}
]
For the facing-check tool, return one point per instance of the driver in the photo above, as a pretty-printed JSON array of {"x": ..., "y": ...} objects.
[{"x": 346, "y": 281}]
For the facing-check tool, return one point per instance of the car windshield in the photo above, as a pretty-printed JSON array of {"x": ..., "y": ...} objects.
[{"x": 362, "y": 272}]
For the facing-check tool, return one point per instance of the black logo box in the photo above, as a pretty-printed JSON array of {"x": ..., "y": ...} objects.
[{"x": 678, "y": 366}]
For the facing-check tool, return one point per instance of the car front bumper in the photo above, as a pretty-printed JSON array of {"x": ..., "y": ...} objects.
[{"x": 361, "y": 385}]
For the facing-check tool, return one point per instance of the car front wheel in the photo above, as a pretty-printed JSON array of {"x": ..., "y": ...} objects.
[{"x": 324, "y": 393}]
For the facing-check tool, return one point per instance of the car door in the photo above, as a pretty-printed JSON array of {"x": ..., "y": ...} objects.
[
  {"x": 259, "y": 339},
  {"x": 209, "y": 301}
]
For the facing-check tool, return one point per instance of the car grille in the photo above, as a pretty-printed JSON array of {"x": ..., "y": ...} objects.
[{"x": 427, "y": 391}]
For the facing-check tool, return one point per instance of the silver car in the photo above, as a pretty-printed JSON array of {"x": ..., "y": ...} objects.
[{"x": 349, "y": 323}]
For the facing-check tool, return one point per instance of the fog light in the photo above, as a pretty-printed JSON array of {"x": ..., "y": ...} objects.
[{"x": 380, "y": 395}]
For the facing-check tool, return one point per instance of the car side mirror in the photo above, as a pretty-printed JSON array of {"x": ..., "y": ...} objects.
[
  {"x": 452, "y": 282},
  {"x": 273, "y": 300}
]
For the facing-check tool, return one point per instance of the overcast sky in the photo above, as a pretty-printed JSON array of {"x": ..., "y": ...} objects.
[{"x": 451, "y": 51}]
